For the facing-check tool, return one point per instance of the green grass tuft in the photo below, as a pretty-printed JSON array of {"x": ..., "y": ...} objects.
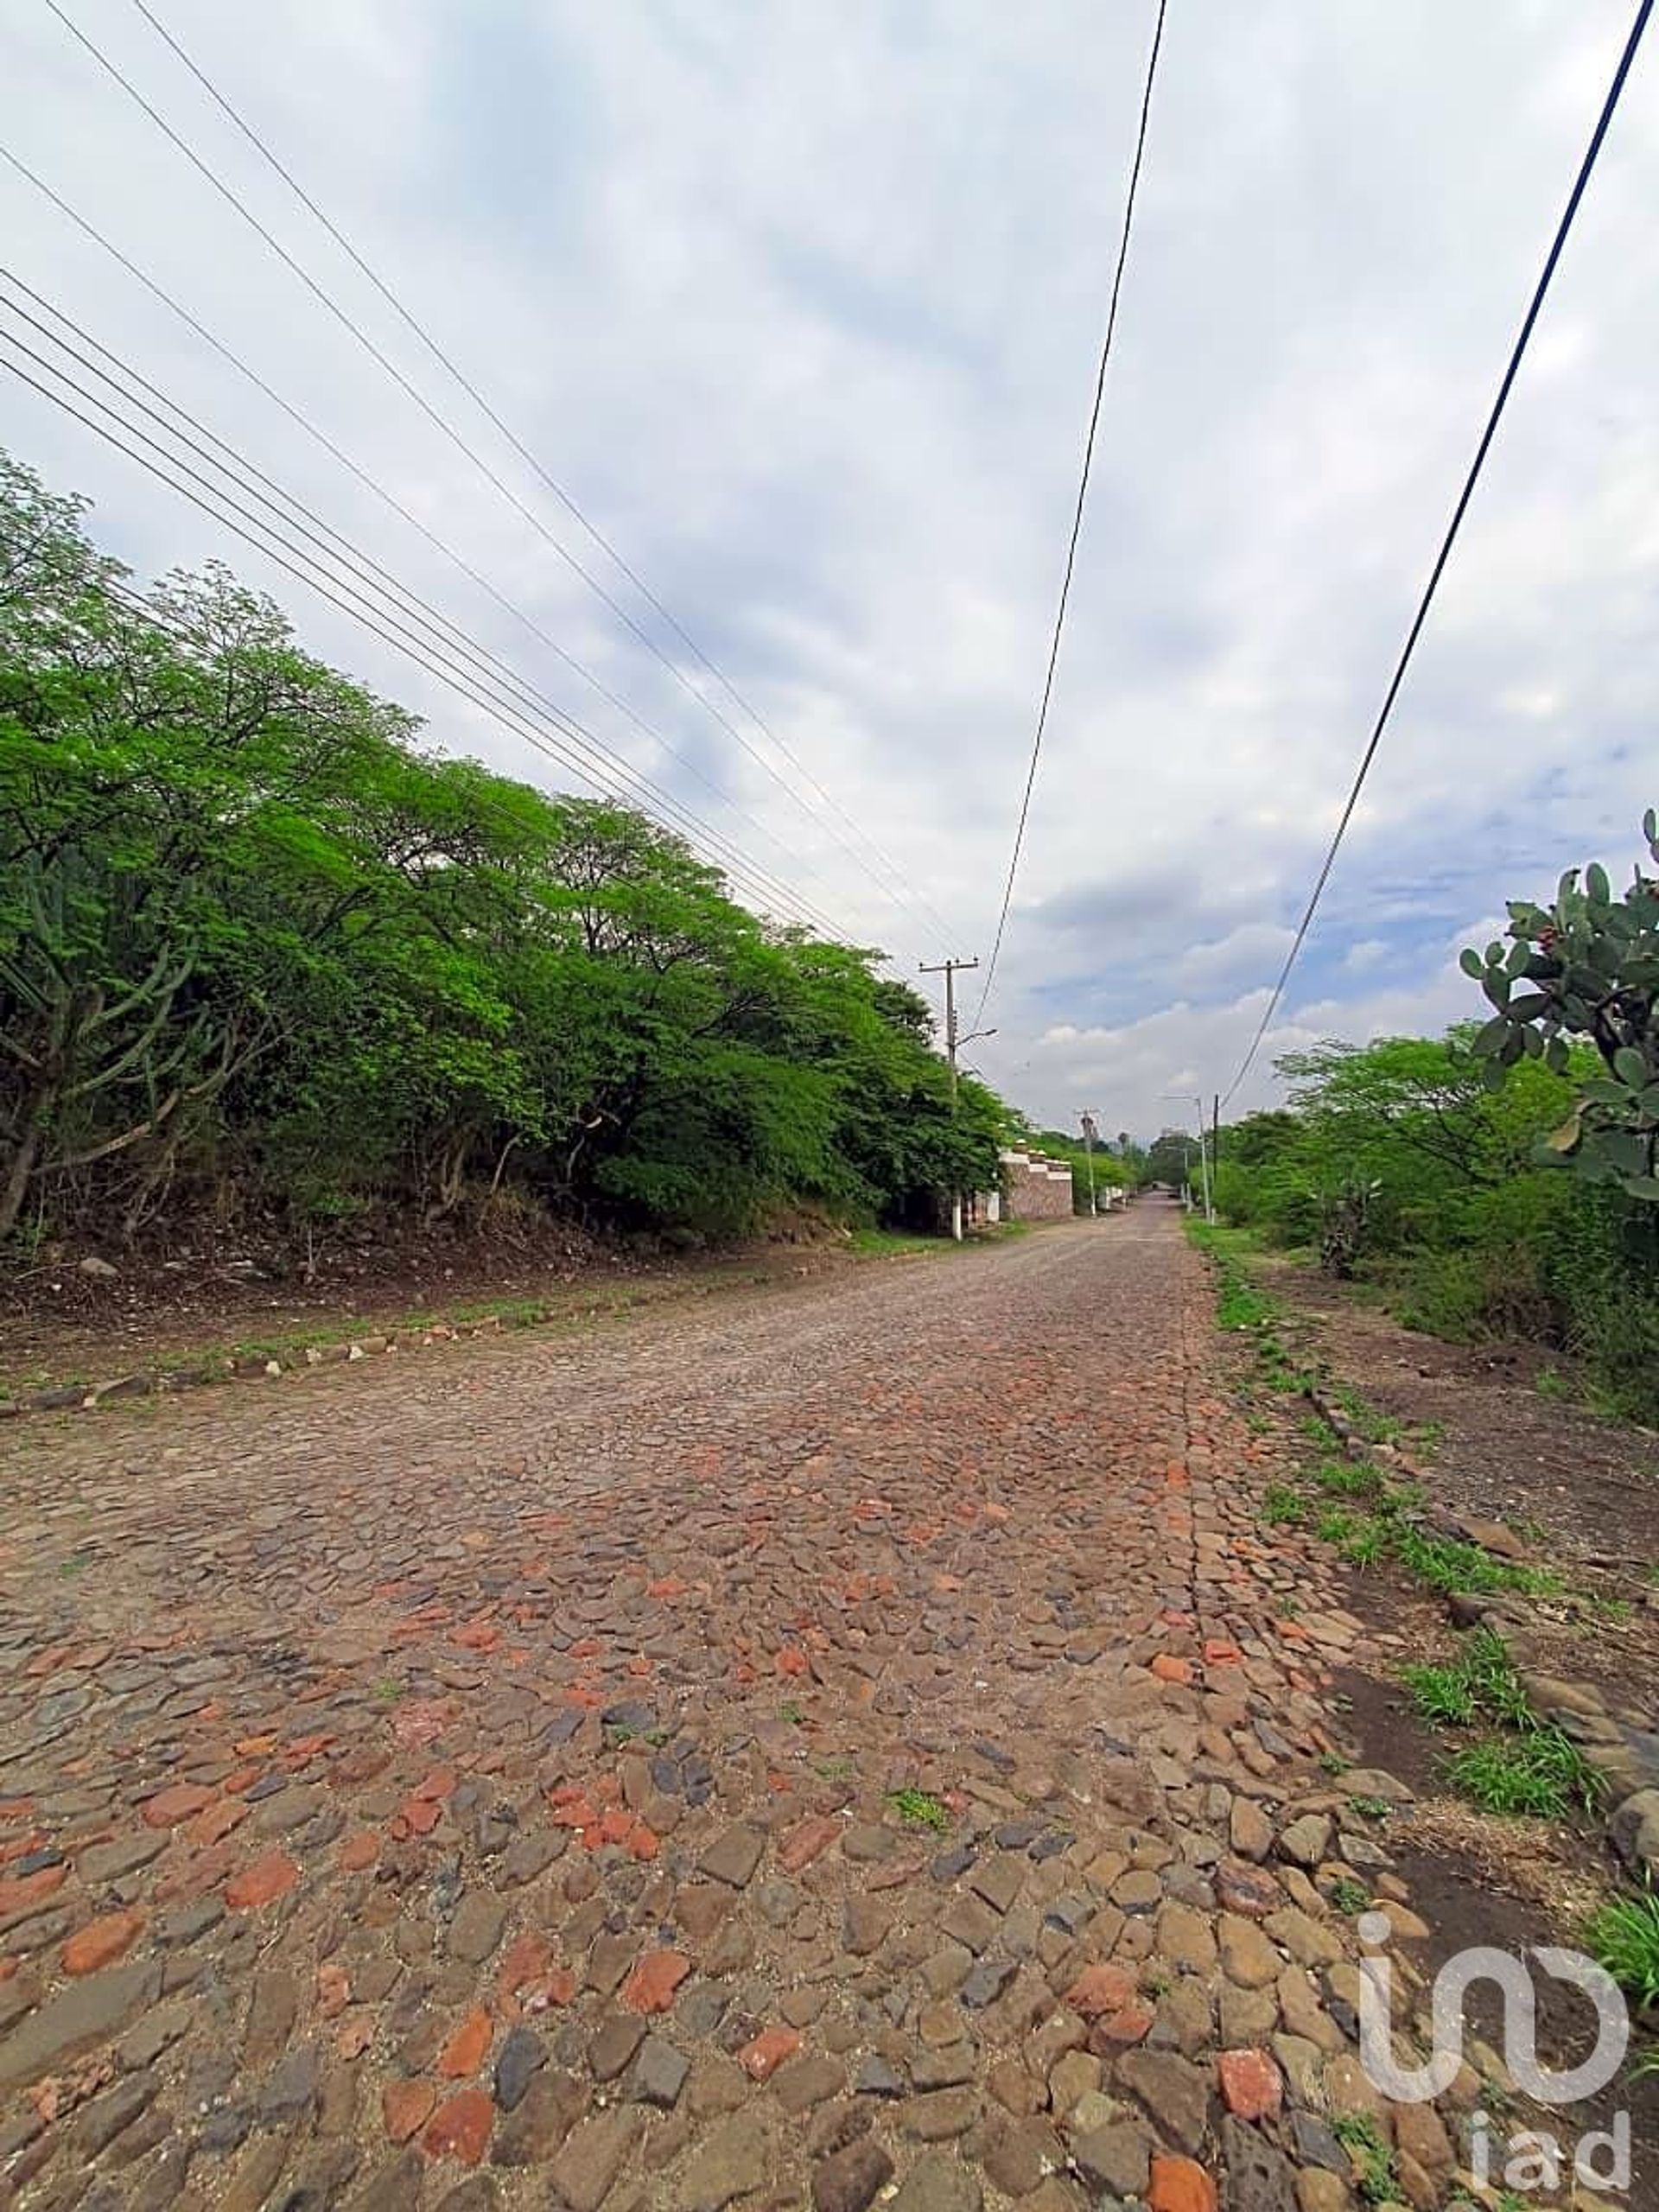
[
  {"x": 1346, "y": 1478},
  {"x": 1365, "y": 2144},
  {"x": 1541, "y": 1772},
  {"x": 1441, "y": 1695},
  {"x": 1624, "y": 1936},
  {"x": 1449, "y": 1567},
  {"x": 1282, "y": 1508},
  {"x": 921, "y": 1807},
  {"x": 1366, "y": 1546}
]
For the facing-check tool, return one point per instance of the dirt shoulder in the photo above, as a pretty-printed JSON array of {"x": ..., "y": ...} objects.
[
  {"x": 1510, "y": 1447},
  {"x": 61, "y": 1329},
  {"x": 1581, "y": 1491}
]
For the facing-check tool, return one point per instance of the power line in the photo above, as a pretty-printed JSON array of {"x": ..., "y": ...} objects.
[
  {"x": 565, "y": 499},
  {"x": 389, "y": 499},
  {"x": 442, "y": 423},
  {"x": 1076, "y": 518},
  {"x": 484, "y": 691},
  {"x": 428, "y": 620},
  {"x": 1518, "y": 352}
]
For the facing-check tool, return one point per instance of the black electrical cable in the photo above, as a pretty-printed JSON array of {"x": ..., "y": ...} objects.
[
  {"x": 442, "y": 423},
  {"x": 565, "y": 499},
  {"x": 377, "y": 619},
  {"x": 1517, "y": 352},
  {"x": 1076, "y": 518},
  {"x": 389, "y": 499}
]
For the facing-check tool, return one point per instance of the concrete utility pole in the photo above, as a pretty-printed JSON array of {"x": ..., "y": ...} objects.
[
  {"x": 1203, "y": 1164},
  {"x": 949, "y": 969},
  {"x": 1088, "y": 1121},
  {"x": 1204, "y": 1151}
]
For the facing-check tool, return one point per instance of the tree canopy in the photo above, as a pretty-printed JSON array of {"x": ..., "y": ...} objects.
[{"x": 259, "y": 947}]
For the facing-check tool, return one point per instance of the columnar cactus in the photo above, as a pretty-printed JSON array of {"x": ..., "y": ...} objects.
[{"x": 1587, "y": 966}]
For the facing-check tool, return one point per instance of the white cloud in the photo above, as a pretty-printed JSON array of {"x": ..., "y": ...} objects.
[
  {"x": 1369, "y": 952},
  {"x": 804, "y": 307},
  {"x": 1254, "y": 948}
]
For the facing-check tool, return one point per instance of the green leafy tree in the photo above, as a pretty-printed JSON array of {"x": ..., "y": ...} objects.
[
  {"x": 1167, "y": 1159},
  {"x": 261, "y": 952},
  {"x": 1398, "y": 1163}
]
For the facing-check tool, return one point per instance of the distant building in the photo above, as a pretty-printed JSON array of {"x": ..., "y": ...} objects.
[{"x": 1035, "y": 1186}]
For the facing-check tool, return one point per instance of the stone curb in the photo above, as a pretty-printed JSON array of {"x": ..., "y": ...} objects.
[
  {"x": 169, "y": 1382},
  {"x": 1624, "y": 1752}
]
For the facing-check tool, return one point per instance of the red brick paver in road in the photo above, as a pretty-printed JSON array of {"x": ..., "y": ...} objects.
[{"x": 636, "y": 1774}]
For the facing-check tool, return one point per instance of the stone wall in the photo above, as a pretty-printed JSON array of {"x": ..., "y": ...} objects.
[{"x": 1037, "y": 1188}]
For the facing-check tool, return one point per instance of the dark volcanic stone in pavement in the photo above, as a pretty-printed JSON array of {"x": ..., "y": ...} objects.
[{"x": 850, "y": 2180}]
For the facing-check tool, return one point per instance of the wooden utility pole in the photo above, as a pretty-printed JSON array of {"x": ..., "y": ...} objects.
[{"x": 949, "y": 969}]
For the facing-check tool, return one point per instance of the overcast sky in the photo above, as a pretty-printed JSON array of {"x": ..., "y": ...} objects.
[{"x": 801, "y": 302}]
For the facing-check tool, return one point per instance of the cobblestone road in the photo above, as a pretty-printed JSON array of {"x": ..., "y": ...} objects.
[{"x": 830, "y": 1747}]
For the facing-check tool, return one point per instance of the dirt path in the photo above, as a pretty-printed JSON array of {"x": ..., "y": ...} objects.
[{"x": 808, "y": 1749}]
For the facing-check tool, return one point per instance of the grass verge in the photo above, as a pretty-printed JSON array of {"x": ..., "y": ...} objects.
[{"x": 1369, "y": 1515}]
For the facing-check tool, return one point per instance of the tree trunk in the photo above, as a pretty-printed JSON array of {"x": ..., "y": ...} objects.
[
  {"x": 31, "y": 1128},
  {"x": 16, "y": 1187}
]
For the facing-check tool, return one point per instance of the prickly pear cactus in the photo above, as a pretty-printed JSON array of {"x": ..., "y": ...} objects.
[{"x": 1586, "y": 967}]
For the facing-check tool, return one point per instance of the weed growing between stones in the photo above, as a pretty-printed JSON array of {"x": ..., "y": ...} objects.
[
  {"x": 1349, "y": 1897},
  {"x": 1448, "y": 1566},
  {"x": 1440, "y": 1694},
  {"x": 921, "y": 1807},
  {"x": 1481, "y": 1679},
  {"x": 1376, "y": 1427},
  {"x": 1616, "y": 1612},
  {"x": 1344, "y": 1479},
  {"x": 1373, "y": 2162},
  {"x": 1371, "y": 1809},
  {"x": 1377, "y": 1520}
]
